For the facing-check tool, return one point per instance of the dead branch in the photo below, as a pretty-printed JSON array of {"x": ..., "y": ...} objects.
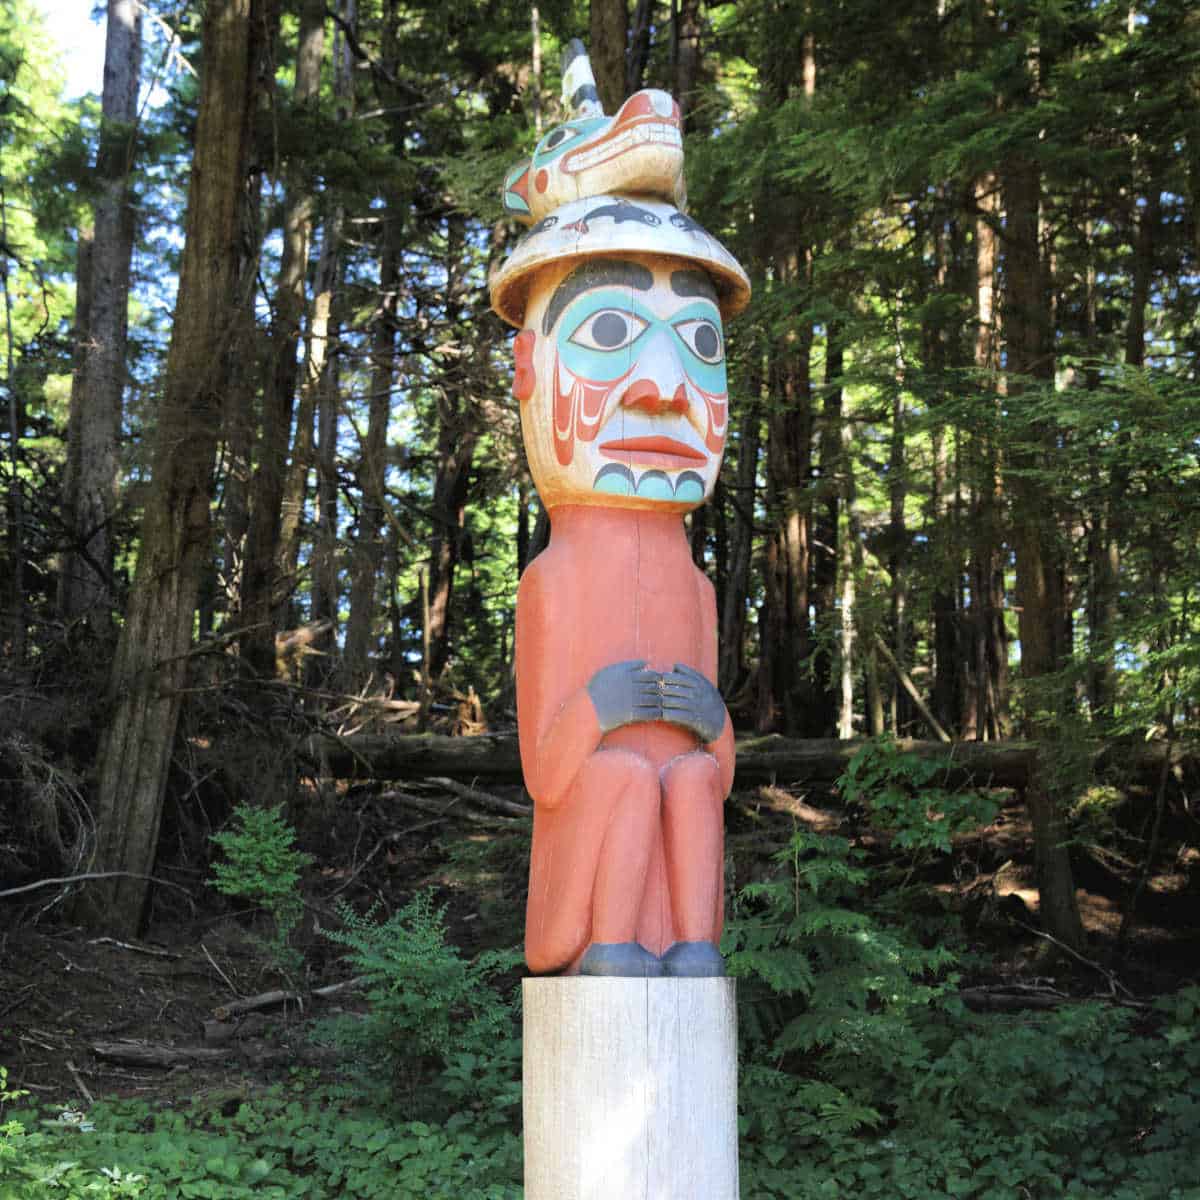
[
  {"x": 41, "y": 883},
  {"x": 483, "y": 799}
]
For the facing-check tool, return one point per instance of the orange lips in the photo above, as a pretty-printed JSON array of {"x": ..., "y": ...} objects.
[{"x": 657, "y": 451}]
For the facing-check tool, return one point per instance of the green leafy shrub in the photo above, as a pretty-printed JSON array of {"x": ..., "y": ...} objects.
[
  {"x": 278, "y": 1146},
  {"x": 897, "y": 788},
  {"x": 437, "y": 1025},
  {"x": 263, "y": 867},
  {"x": 864, "y": 1075}
]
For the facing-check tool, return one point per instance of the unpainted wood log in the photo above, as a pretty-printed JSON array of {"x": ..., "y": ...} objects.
[{"x": 153, "y": 1054}]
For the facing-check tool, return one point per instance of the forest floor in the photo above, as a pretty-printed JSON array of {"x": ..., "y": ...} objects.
[{"x": 72, "y": 1002}]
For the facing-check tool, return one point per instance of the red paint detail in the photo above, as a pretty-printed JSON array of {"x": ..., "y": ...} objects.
[
  {"x": 542, "y": 181},
  {"x": 524, "y": 378},
  {"x": 578, "y": 410},
  {"x": 659, "y": 451},
  {"x": 521, "y": 187},
  {"x": 638, "y": 105},
  {"x": 659, "y": 442},
  {"x": 579, "y": 226},
  {"x": 717, "y": 405},
  {"x": 679, "y": 401},
  {"x": 643, "y": 394},
  {"x": 637, "y": 110}
]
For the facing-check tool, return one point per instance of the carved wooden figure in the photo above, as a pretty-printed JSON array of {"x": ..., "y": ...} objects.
[{"x": 626, "y": 744}]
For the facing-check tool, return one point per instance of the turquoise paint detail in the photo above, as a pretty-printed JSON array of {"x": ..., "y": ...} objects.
[
  {"x": 577, "y": 131},
  {"x": 689, "y": 489},
  {"x": 654, "y": 485},
  {"x": 602, "y": 366},
  {"x": 613, "y": 483}
]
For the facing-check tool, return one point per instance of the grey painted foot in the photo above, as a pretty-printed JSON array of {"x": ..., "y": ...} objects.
[
  {"x": 693, "y": 960},
  {"x": 625, "y": 959}
]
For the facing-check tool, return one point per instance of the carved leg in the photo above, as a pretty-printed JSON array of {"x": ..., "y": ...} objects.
[
  {"x": 588, "y": 867},
  {"x": 694, "y": 841}
]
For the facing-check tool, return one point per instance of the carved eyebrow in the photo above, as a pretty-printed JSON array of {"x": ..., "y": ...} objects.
[
  {"x": 600, "y": 273},
  {"x": 693, "y": 283}
]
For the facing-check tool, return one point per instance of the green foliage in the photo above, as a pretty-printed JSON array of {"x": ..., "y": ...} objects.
[
  {"x": 262, "y": 866},
  {"x": 437, "y": 1024},
  {"x": 897, "y": 788},
  {"x": 284, "y": 1145},
  {"x": 863, "y": 1074}
]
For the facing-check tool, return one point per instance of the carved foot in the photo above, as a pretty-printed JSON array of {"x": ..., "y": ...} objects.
[
  {"x": 693, "y": 960},
  {"x": 621, "y": 959}
]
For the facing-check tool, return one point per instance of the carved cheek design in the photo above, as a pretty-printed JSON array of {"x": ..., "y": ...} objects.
[
  {"x": 579, "y": 407},
  {"x": 717, "y": 406}
]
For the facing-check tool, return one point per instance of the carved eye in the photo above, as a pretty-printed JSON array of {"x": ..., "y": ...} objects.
[
  {"x": 608, "y": 329},
  {"x": 702, "y": 338},
  {"x": 556, "y": 138}
]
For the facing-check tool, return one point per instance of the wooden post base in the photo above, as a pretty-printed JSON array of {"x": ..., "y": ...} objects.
[{"x": 630, "y": 1089}]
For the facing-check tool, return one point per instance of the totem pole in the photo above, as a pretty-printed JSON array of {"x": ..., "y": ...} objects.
[
  {"x": 626, "y": 745},
  {"x": 630, "y": 1061}
]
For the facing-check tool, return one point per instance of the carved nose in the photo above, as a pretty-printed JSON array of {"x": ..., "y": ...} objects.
[{"x": 644, "y": 394}]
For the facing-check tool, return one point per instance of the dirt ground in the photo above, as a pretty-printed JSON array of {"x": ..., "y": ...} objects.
[{"x": 69, "y": 996}]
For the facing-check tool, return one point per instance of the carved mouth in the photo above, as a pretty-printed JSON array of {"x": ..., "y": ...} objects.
[
  {"x": 655, "y": 451},
  {"x": 643, "y": 133}
]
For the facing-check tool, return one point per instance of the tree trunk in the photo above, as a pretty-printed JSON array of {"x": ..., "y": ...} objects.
[
  {"x": 87, "y": 568},
  {"x": 368, "y": 546},
  {"x": 79, "y": 393},
  {"x": 316, "y": 360},
  {"x": 151, "y": 662},
  {"x": 607, "y": 38},
  {"x": 984, "y": 717},
  {"x": 259, "y": 577},
  {"x": 687, "y": 57},
  {"x": 732, "y": 647},
  {"x": 1040, "y": 595}
]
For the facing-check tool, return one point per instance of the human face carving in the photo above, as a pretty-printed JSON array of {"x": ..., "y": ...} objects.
[{"x": 626, "y": 401}]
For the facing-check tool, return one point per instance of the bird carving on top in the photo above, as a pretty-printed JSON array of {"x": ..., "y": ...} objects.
[{"x": 638, "y": 152}]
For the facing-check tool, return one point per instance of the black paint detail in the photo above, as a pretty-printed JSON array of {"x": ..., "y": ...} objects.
[
  {"x": 622, "y": 960},
  {"x": 585, "y": 91},
  {"x": 555, "y": 138},
  {"x": 544, "y": 224},
  {"x": 574, "y": 49},
  {"x": 689, "y": 476},
  {"x": 599, "y": 272},
  {"x": 685, "y": 223},
  {"x": 625, "y": 693},
  {"x": 690, "y": 700},
  {"x": 654, "y": 475},
  {"x": 693, "y": 960},
  {"x": 610, "y": 329},
  {"x": 614, "y": 469},
  {"x": 692, "y": 283}
]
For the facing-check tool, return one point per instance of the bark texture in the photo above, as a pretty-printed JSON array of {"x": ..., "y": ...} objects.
[
  {"x": 86, "y": 584},
  {"x": 151, "y": 662}
]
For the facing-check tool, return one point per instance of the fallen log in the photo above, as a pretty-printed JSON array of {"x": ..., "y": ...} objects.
[
  {"x": 494, "y": 758},
  {"x": 153, "y": 1054}
]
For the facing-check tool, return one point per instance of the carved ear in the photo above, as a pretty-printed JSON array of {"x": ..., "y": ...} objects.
[{"x": 516, "y": 192}]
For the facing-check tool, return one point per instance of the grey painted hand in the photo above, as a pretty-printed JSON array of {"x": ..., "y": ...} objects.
[
  {"x": 691, "y": 701},
  {"x": 625, "y": 693}
]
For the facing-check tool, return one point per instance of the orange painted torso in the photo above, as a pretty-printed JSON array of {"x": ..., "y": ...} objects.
[{"x": 624, "y": 587}]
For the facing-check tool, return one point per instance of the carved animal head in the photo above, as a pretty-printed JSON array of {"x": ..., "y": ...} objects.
[{"x": 638, "y": 152}]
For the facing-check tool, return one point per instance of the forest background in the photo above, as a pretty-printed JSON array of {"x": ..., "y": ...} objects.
[{"x": 264, "y": 493}]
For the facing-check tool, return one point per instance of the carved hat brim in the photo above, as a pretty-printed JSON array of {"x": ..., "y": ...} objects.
[{"x": 608, "y": 226}]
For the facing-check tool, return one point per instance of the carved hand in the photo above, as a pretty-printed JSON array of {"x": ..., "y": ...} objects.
[
  {"x": 691, "y": 701},
  {"x": 626, "y": 693}
]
